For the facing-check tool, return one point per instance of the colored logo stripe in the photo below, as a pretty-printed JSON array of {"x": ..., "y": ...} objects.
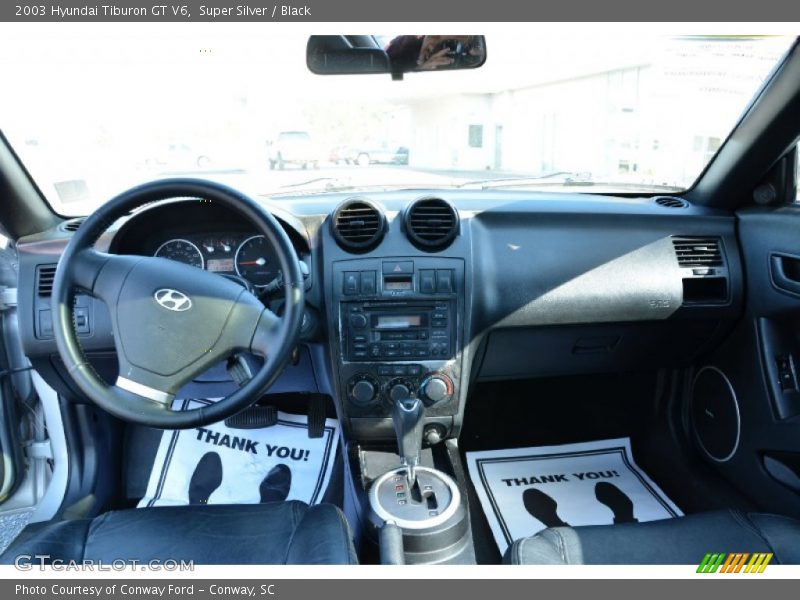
[
  {"x": 734, "y": 562},
  {"x": 758, "y": 563},
  {"x": 710, "y": 563}
]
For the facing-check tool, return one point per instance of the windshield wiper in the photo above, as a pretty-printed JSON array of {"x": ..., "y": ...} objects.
[
  {"x": 338, "y": 185},
  {"x": 331, "y": 184},
  {"x": 308, "y": 182},
  {"x": 541, "y": 182},
  {"x": 569, "y": 178}
]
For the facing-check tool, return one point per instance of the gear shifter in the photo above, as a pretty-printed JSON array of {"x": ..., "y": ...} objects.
[
  {"x": 417, "y": 511},
  {"x": 407, "y": 418}
]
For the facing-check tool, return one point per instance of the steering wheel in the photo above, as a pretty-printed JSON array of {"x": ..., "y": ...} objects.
[{"x": 172, "y": 321}]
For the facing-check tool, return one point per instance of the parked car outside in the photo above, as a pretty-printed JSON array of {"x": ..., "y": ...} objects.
[{"x": 293, "y": 148}]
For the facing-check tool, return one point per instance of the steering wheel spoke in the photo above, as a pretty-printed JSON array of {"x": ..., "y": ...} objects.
[
  {"x": 86, "y": 266},
  {"x": 145, "y": 391},
  {"x": 101, "y": 274},
  {"x": 268, "y": 334}
]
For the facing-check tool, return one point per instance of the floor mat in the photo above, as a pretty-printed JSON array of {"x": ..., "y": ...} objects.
[
  {"x": 217, "y": 464},
  {"x": 525, "y": 490}
]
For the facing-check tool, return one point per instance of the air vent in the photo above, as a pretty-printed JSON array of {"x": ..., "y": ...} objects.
[
  {"x": 72, "y": 224},
  {"x": 671, "y": 202},
  {"x": 431, "y": 223},
  {"x": 45, "y": 274},
  {"x": 358, "y": 225},
  {"x": 698, "y": 252}
]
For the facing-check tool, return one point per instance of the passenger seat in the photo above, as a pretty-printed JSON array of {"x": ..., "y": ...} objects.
[{"x": 684, "y": 540}]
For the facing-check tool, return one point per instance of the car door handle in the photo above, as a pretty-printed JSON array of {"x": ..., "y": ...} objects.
[{"x": 785, "y": 272}]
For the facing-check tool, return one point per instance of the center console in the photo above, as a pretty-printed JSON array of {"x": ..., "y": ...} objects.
[
  {"x": 399, "y": 328},
  {"x": 416, "y": 513}
]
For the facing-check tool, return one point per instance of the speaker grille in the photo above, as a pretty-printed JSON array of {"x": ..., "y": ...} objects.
[{"x": 715, "y": 414}]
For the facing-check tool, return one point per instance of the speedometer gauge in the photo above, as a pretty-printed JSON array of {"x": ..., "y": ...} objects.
[
  {"x": 181, "y": 250},
  {"x": 256, "y": 262}
]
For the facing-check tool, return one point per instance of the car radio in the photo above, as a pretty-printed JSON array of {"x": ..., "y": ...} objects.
[
  {"x": 389, "y": 331},
  {"x": 399, "y": 322}
]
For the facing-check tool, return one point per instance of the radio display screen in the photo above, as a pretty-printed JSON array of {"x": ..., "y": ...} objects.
[{"x": 398, "y": 321}]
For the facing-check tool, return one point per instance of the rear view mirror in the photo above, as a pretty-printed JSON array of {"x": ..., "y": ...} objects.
[{"x": 357, "y": 54}]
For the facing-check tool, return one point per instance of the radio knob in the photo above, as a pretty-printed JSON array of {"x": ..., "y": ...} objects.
[
  {"x": 435, "y": 388},
  {"x": 362, "y": 391},
  {"x": 358, "y": 321}
]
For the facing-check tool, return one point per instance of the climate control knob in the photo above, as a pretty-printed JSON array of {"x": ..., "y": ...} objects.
[
  {"x": 362, "y": 390},
  {"x": 435, "y": 388},
  {"x": 399, "y": 389}
]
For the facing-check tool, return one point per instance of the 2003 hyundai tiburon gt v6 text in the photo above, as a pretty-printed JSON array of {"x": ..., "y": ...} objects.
[{"x": 565, "y": 329}]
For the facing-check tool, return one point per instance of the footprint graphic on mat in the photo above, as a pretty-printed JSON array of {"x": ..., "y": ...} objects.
[
  {"x": 207, "y": 477},
  {"x": 545, "y": 509},
  {"x": 615, "y": 499},
  {"x": 542, "y": 507},
  {"x": 276, "y": 484}
]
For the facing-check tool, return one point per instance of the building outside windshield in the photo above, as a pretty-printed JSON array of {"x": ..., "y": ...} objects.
[{"x": 107, "y": 110}]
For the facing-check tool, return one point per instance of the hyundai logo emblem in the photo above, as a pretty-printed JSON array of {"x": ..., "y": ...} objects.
[{"x": 173, "y": 300}]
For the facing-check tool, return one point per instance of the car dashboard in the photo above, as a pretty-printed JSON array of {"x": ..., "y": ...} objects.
[{"x": 426, "y": 292}]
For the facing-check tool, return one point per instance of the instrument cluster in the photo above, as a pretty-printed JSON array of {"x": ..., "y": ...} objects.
[{"x": 250, "y": 257}]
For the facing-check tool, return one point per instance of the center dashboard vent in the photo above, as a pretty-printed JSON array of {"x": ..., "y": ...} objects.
[
  {"x": 698, "y": 252},
  {"x": 431, "y": 223},
  {"x": 358, "y": 225},
  {"x": 45, "y": 275}
]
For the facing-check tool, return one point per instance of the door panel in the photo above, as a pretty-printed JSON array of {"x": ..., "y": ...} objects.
[{"x": 762, "y": 361}]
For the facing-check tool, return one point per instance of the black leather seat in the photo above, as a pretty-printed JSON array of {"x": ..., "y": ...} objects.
[
  {"x": 684, "y": 540},
  {"x": 275, "y": 533}
]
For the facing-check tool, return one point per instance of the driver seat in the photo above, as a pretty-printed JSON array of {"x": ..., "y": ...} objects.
[{"x": 289, "y": 532}]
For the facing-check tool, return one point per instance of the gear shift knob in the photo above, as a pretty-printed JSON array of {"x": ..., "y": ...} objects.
[{"x": 407, "y": 418}]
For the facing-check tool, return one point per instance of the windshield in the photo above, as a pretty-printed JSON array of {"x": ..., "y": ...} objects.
[{"x": 96, "y": 110}]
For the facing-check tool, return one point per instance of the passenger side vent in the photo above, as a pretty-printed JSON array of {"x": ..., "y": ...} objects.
[
  {"x": 431, "y": 223},
  {"x": 72, "y": 224},
  {"x": 358, "y": 225},
  {"x": 45, "y": 274},
  {"x": 698, "y": 252},
  {"x": 671, "y": 202}
]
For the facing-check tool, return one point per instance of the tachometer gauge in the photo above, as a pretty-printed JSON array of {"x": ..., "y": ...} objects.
[
  {"x": 181, "y": 250},
  {"x": 256, "y": 262}
]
